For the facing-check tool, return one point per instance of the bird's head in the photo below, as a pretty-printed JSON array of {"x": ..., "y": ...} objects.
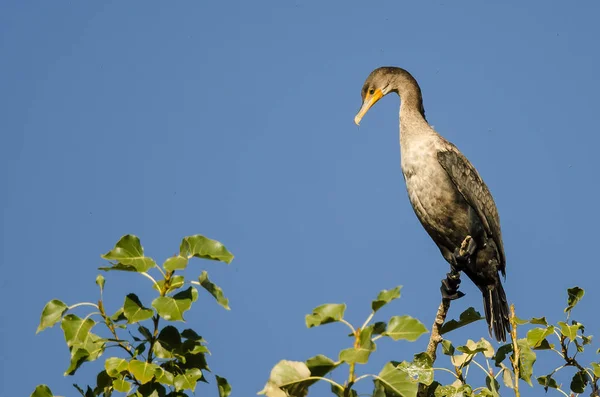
[{"x": 381, "y": 82}]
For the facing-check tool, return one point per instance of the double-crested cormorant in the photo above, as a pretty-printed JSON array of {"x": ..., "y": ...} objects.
[{"x": 448, "y": 196}]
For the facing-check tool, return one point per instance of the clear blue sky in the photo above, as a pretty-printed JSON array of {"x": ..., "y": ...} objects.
[{"x": 235, "y": 120}]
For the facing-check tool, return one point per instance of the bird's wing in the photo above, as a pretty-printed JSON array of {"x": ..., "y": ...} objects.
[{"x": 475, "y": 192}]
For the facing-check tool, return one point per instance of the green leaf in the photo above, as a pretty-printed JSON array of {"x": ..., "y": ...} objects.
[
  {"x": 83, "y": 344},
  {"x": 492, "y": 385},
  {"x": 467, "y": 317},
  {"x": 325, "y": 314},
  {"x": 152, "y": 389},
  {"x": 539, "y": 321},
  {"x": 177, "y": 282},
  {"x": 172, "y": 309},
  {"x": 224, "y": 387},
  {"x": 338, "y": 392},
  {"x": 214, "y": 290},
  {"x": 41, "y": 391},
  {"x": 385, "y": 297},
  {"x": 457, "y": 389},
  {"x": 596, "y": 369},
  {"x": 51, "y": 314},
  {"x": 482, "y": 346},
  {"x": 166, "y": 377},
  {"x": 507, "y": 377},
  {"x": 188, "y": 380},
  {"x": 115, "y": 365},
  {"x": 579, "y": 382},
  {"x": 526, "y": 361},
  {"x": 100, "y": 282},
  {"x": 361, "y": 353},
  {"x": 176, "y": 262},
  {"x": 285, "y": 373},
  {"x": 547, "y": 381},
  {"x": 129, "y": 254},
  {"x": 203, "y": 247},
  {"x": 420, "y": 369},
  {"x": 78, "y": 357},
  {"x": 167, "y": 343},
  {"x": 405, "y": 327},
  {"x": 447, "y": 347},
  {"x": 134, "y": 310},
  {"x": 397, "y": 381},
  {"x": 570, "y": 331},
  {"x": 142, "y": 371},
  {"x": 574, "y": 296},
  {"x": 121, "y": 385},
  {"x": 536, "y": 336},
  {"x": 502, "y": 352}
]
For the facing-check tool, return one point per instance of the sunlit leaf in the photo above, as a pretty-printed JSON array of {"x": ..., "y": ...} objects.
[
  {"x": 115, "y": 365},
  {"x": 547, "y": 381},
  {"x": 213, "y": 289},
  {"x": 203, "y": 247},
  {"x": 397, "y": 381},
  {"x": 385, "y": 297},
  {"x": 575, "y": 294},
  {"x": 447, "y": 347},
  {"x": 188, "y": 380},
  {"x": 224, "y": 387},
  {"x": 539, "y": 321},
  {"x": 325, "y": 314},
  {"x": 134, "y": 310},
  {"x": 570, "y": 331},
  {"x": 420, "y": 369},
  {"x": 129, "y": 254},
  {"x": 507, "y": 377},
  {"x": 176, "y": 262},
  {"x": 536, "y": 336},
  {"x": 51, "y": 314},
  {"x": 526, "y": 361},
  {"x": 285, "y": 373},
  {"x": 78, "y": 357},
  {"x": 42, "y": 391},
  {"x": 172, "y": 308},
  {"x": 467, "y": 317},
  {"x": 142, "y": 371},
  {"x": 405, "y": 327},
  {"x": 596, "y": 369},
  {"x": 121, "y": 385}
]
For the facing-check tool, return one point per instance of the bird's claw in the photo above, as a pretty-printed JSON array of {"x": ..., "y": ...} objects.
[{"x": 450, "y": 285}]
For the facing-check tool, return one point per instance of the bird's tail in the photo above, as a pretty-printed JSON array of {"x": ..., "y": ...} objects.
[{"x": 496, "y": 310}]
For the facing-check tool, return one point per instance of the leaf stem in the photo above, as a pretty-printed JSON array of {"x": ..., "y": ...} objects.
[
  {"x": 160, "y": 270},
  {"x": 83, "y": 304},
  {"x": 348, "y": 324},
  {"x": 368, "y": 320},
  {"x": 145, "y": 274},
  {"x": 111, "y": 327}
]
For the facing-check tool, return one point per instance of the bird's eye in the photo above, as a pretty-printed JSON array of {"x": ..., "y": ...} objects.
[{"x": 372, "y": 91}]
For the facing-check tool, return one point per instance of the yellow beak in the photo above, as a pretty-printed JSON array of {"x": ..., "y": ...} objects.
[{"x": 369, "y": 101}]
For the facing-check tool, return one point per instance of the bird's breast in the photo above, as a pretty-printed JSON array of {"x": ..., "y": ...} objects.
[{"x": 437, "y": 203}]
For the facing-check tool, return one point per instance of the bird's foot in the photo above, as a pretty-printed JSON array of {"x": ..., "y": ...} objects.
[
  {"x": 450, "y": 285},
  {"x": 463, "y": 254}
]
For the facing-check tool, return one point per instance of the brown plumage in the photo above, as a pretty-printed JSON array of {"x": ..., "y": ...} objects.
[{"x": 447, "y": 194}]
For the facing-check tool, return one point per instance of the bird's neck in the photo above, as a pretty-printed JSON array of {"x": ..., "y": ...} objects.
[{"x": 412, "y": 115}]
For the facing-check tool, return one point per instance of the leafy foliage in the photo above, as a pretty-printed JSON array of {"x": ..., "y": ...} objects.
[
  {"x": 502, "y": 367},
  {"x": 174, "y": 361}
]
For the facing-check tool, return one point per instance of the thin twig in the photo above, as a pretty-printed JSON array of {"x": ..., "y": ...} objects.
[
  {"x": 435, "y": 338},
  {"x": 516, "y": 356}
]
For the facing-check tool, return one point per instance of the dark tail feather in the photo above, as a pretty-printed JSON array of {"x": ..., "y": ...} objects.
[{"x": 496, "y": 310}]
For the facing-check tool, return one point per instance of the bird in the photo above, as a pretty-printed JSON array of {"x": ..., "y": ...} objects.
[{"x": 448, "y": 196}]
